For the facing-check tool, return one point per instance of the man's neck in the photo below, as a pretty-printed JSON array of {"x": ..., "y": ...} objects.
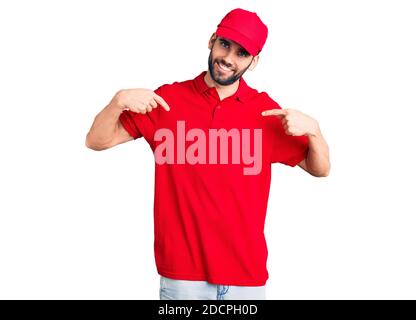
[{"x": 223, "y": 91}]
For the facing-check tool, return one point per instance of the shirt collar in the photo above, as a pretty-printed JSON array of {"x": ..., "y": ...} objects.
[{"x": 240, "y": 94}]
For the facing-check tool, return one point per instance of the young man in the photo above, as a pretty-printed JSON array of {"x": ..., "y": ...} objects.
[{"x": 214, "y": 139}]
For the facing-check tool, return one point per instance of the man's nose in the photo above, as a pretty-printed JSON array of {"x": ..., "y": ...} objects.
[{"x": 228, "y": 61}]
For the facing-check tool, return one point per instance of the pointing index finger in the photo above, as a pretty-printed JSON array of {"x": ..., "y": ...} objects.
[
  {"x": 274, "y": 112},
  {"x": 162, "y": 102}
]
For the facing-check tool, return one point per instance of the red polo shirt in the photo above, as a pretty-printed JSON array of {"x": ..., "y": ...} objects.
[{"x": 209, "y": 217}]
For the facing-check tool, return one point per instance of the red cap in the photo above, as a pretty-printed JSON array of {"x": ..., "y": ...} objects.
[{"x": 245, "y": 28}]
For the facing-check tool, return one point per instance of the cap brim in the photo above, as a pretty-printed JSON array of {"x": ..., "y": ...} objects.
[{"x": 238, "y": 38}]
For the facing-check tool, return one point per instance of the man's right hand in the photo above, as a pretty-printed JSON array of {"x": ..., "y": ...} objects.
[{"x": 139, "y": 100}]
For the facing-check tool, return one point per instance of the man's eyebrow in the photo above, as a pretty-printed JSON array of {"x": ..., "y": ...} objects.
[
  {"x": 244, "y": 50},
  {"x": 223, "y": 39}
]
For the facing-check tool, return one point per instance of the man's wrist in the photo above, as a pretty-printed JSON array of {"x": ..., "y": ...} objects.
[
  {"x": 116, "y": 102},
  {"x": 316, "y": 131}
]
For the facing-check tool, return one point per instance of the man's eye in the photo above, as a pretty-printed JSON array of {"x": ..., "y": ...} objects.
[
  {"x": 224, "y": 44},
  {"x": 243, "y": 53}
]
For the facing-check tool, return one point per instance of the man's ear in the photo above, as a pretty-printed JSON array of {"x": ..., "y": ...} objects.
[
  {"x": 212, "y": 40},
  {"x": 254, "y": 62}
]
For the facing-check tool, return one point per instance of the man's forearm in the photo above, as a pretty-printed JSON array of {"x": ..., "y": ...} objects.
[
  {"x": 104, "y": 126},
  {"x": 317, "y": 160}
]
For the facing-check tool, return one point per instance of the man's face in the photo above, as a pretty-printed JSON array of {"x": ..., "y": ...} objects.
[{"x": 227, "y": 61}]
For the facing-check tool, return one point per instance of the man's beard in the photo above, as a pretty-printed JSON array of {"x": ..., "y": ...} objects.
[{"x": 230, "y": 80}]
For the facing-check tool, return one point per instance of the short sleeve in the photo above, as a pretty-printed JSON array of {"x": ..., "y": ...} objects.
[
  {"x": 287, "y": 149},
  {"x": 142, "y": 125}
]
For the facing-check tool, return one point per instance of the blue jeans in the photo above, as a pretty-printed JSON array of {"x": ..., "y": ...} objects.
[{"x": 173, "y": 289}]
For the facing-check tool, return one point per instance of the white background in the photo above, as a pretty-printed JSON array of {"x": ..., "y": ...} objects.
[{"x": 78, "y": 224}]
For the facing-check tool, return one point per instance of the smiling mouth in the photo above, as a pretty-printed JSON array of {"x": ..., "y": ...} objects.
[{"x": 223, "y": 67}]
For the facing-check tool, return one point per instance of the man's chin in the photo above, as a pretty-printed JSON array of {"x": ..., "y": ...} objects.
[{"x": 223, "y": 80}]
